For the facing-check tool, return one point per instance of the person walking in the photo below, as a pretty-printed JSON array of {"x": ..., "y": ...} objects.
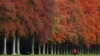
[{"x": 74, "y": 51}]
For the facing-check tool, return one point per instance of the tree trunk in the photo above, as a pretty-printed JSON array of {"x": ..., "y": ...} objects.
[
  {"x": 80, "y": 50},
  {"x": 97, "y": 49},
  {"x": 44, "y": 49},
  {"x": 39, "y": 49},
  {"x": 52, "y": 48},
  {"x": 58, "y": 49},
  {"x": 64, "y": 48},
  {"x": 14, "y": 47},
  {"x": 33, "y": 46},
  {"x": 18, "y": 45},
  {"x": 61, "y": 49},
  {"x": 5, "y": 42},
  {"x": 47, "y": 50},
  {"x": 67, "y": 48},
  {"x": 88, "y": 51}
]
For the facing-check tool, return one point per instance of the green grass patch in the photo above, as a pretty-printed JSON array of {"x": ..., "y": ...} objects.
[{"x": 56, "y": 55}]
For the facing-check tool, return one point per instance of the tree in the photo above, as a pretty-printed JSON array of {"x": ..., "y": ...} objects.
[{"x": 54, "y": 20}]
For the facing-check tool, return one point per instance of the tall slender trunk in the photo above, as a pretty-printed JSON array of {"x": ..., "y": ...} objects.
[
  {"x": 67, "y": 48},
  {"x": 52, "y": 48},
  {"x": 61, "y": 49},
  {"x": 18, "y": 45},
  {"x": 98, "y": 48},
  {"x": 33, "y": 46},
  {"x": 95, "y": 49},
  {"x": 96, "y": 44},
  {"x": 47, "y": 50},
  {"x": 14, "y": 46},
  {"x": 44, "y": 49},
  {"x": 88, "y": 51},
  {"x": 39, "y": 49},
  {"x": 80, "y": 50},
  {"x": 5, "y": 42},
  {"x": 85, "y": 50},
  {"x": 58, "y": 49},
  {"x": 64, "y": 48}
]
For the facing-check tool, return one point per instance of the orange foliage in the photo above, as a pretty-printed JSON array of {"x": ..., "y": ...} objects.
[
  {"x": 82, "y": 20},
  {"x": 57, "y": 20},
  {"x": 25, "y": 17}
]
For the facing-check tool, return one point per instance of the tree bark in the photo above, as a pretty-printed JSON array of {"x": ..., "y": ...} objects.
[
  {"x": 58, "y": 49},
  {"x": 44, "y": 49},
  {"x": 14, "y": 46},
  {"x": 64, "y": 48},
  {"x": 88, "y": 51},
  {"x": 67, "y": 48},
  {"x": 39, "y": 49},
  {"x": 80, "y": 49},
  {"x": 47, "y": 50},
  {"x": 33, "y": 46},
  {"x": 5, "y": 45},
  {"x": 52, "y": 48},
  {"x": 18, "y": 45}
]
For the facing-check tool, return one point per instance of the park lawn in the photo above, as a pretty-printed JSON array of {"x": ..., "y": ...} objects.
[{"x": 55, "y": 55}]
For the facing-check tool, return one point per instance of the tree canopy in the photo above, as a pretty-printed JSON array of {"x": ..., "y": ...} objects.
[{"x": 52, "y": 20}]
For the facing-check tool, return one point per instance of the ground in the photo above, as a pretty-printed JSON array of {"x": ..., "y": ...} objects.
[{"x": 54, "y": 55}]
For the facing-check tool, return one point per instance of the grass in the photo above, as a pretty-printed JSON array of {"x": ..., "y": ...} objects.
[{"x": 55, "y": 55}]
